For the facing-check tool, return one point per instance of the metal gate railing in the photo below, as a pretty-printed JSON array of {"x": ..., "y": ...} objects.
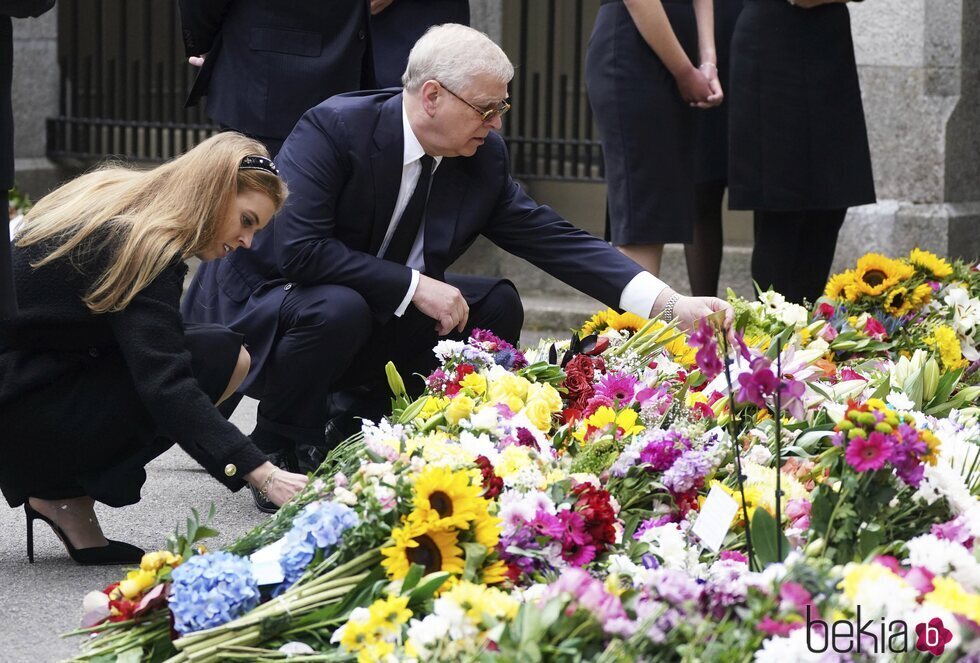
[{"x": 124, "y": 80}]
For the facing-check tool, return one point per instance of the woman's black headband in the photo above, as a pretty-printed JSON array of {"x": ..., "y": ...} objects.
[{"x": 257, "y": 162}]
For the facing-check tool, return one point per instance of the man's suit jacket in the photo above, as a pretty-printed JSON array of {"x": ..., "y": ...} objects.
[
  {"x": 269, "y": 62},
  {"x": 343, "y": 166},
  {"x": 396, "y": 29}
]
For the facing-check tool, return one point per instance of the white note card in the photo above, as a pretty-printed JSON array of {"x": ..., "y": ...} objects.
[
  {"x": 265, "y": 563},
  {"x": 715, "y": 519}
]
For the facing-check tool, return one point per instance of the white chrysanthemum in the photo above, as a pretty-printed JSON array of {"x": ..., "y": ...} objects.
[
  {"x": 446, "y": 348},
  {"x": 423, "y": 633},
  {"x": 886, "y": 595},
  {"x": 900, "y": 402},
  {"x": 669, "y": 544},
  {"x": 487, "y": 419},
  {"x": 942, "y": 481},
  {"x": 479, "y": 445},
  {"x": 941, "y": 557},
  {"x": 794, "y": 647}
]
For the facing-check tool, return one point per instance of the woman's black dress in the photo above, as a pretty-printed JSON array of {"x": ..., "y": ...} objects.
[
  {"x": 87, "y": 400},
  {"x": 646, "y": 129},
  {"x": 798, "y": 135}
]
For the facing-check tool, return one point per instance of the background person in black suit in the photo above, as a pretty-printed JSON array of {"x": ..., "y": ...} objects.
[
  {"x": 387, "y": 189},
  {"x": 799, "y": 146},
  {"x": 397, "y": 24},
  {"x": 17, "y": 9},
  {"x": 266, "y": 62},
  {"x": 98, "y": 374}
]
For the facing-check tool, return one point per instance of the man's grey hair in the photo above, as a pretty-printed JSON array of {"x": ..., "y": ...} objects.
[{"x": 454, "y": 54}]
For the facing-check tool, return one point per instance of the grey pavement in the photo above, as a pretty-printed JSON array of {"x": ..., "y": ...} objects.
[{"x": 40, "y": 601}]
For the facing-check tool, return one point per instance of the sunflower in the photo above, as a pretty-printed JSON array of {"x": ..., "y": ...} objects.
[
  {"x": 446, "y": 498},
  {"x": 920, "y": 296},
  {"x": 486, "y": 527},
  {"x": 627, "y": 321},
  {"x": 840, "y": 286},
  {"x": 597, "y": 323},
  {"x": 494, "y": 573},
  {"x": 875, "y": 274},
  {"x": 930, "y": 264},
  {"x": 898, "y": 302},
  {"x": 419, "y": 542}
]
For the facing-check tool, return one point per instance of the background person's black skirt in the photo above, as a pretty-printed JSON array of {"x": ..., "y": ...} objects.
[
  {"x": 646, "y": 129},
  {"x": 88, "y": 433},
  {"x": 798, "y": 139}
]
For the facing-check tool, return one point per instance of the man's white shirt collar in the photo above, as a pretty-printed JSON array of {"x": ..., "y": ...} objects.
[{"x": 413, "y": 148}]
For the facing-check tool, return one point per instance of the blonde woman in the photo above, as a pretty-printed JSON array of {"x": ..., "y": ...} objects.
[{"x": 98, "y": 374}]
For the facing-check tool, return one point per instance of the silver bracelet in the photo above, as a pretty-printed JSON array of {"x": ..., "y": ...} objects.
[{"x": 669, "y": 308}]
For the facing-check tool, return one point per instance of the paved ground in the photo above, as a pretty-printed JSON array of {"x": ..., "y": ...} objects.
[{"x": 42, "y": 600}]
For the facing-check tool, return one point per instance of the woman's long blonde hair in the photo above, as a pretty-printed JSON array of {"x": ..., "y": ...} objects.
[{"x": 153, "y": 216}]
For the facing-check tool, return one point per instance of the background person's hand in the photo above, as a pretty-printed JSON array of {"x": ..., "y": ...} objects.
[
  {"x": 443, "y": 303},
  {"x": 378, "y": 6},
  {"x": 693, "y": 85},
  {"x": 197, "y": 60},
  {"x": 710, "y": 71},
  {"x": 283, "y": 486}
]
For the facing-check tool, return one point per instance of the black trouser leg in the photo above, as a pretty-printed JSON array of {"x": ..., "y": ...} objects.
[
  {"x": 8, "y": 295},
  {"x": 322, "y": 328},
  {"x": 793, "y": 251},
  {"x": 703, "y": 255}
]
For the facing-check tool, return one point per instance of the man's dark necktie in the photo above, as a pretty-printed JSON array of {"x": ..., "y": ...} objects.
[{"x": 407, "y": 229}]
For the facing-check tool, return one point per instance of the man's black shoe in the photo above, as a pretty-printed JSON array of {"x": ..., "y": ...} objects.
[{"x": 282, "y": 459}]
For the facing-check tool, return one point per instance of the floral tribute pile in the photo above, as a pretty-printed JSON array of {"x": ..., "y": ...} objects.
[{"x": 803, "y": 487}]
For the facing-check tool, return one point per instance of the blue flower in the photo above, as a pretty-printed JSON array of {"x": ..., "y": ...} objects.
[
  {"x": 319, "y": 525},
  {"x": 211, "y": 590}
]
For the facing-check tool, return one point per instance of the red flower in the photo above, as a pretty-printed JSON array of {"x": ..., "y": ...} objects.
[
  {"x": 492, "y": 484},
  {"x": 825, "y": 310},
  {"x": 875, "y": 329}
]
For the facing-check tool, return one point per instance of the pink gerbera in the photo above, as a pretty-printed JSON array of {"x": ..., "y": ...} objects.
[
  {"x": 868, "y": 454},
  {"x": 619, "y": 387}
]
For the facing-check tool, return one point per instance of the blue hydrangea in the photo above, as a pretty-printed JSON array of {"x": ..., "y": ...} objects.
[
  {"x": 211, "y": 590},
  {"x": 319, "y": 525}
]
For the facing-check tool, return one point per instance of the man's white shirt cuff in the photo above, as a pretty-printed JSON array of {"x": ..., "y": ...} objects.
[
  {"x": 412, "y": 287},
  {"x": 640, "y": 294}
]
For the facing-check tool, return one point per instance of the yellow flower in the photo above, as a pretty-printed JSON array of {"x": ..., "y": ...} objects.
[
  {"x": 933, "y": 444},
  {"x": 459, "y": 408},
  {"x": 539, "y": 413},
  {"x": 494, "y": 573},
  {"x": 876, "y": 273},
  {"x": 137, "y": 582},
  {"x": 839, "y": 286},
  {"x": 479, "y": 600},
  {"x": 627, "y": 321},
  {"x": 418, "y": 542},
  {"x": 509, "y": 389},
  {"x": 375, "y": 650},
  {"x": 389, "y": 614},
  {"x": 857, "y": 574},
  {"x": 597, "y": 323},
  {"x": 546, "y": 392},
  {"x": 355, "y": 635},
  {"x": 446, "y": 498},
  {"x": 898, "y": 302},
  {"x": 930, "y": 264},
  {"x": 943, "y": 339},
  {"x": 433, "y": 405},
  {"x": 154, "y": 561},
  {"x": 512, "y": 460},
  {"x": 474, "y": 383},
  {"x": 625, "y": 420},
  {"x": 948, "y": 594},
  {"x": 920, "y": 296},
  {"x": 486, "y": 528}
]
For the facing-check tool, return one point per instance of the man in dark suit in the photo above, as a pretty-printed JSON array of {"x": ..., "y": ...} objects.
[
  {"x": 387, "y": 189},
  {"x": 268, "y": 62},
  {"x": 397, "y": 24},
  {"x": 17, "y": 9}
]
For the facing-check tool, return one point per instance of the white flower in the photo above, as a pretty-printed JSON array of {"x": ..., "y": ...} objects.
[
  {"x": 422, "y": 633},
  {"x": 485, "y": 419},
  {"x": 941, "y": 557},
  {"x": 900, "y": 402},
  {"x": 344, "y": 496},
  {"x": 794, "y": 647},
  {"x": 446, "y": 349},
  {"x": 479, "y": 445},
  {"x": 669, "y": 544},
  {"x": 941, "y": 480},
  {"x": 966, "y": 311},
  {"x": 759, "y": 454},
  {"x": 296, "y": 649}
]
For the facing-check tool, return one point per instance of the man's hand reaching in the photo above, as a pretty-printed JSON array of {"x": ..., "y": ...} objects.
[{"x": 443, "y": 303}]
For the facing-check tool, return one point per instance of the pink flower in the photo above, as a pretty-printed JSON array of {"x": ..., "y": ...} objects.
[
  {"x": 864, "y": 454},
  {"x": 758, "y": 384},
  {"x": 770, "y": 626},
  {"x": 798, "y": 513},
  {"x": 875, "y": 329},
  {"x": 706, "y": 356}
]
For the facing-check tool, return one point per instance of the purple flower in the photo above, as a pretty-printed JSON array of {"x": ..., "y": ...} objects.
[
  {"x": 590, "y": 595},
  {"x": 791, "y": 398},
  {"x": 618, "y": 387},
  {"x": 706, "y": 356},
  {"x": 757, "y": 384},
  {"x": 956, "y": 530},
  {"x": 660, "y": 453},
  {"x": 688, "y": 471},
  {"x": 503, "y": 353},
  {"x": 654, "y": 522}
]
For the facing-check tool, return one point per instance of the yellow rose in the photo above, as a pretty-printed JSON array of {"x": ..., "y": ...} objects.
[
  {"x": 506, "y": 387},
  {"x": 544, "y": 391},
  {"x": 155, "y": 560},
  {"x": 432, "y": 406},
  {"x": 459, "y": 408},
  {"x": 539, "y": 412},
  {"x": 137, "y": 582},
  {"x": 474, "y": 383}
]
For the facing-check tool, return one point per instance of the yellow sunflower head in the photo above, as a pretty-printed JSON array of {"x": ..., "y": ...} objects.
[
  {"x": 627, "y": 322},
  {"x": 597, "y": 323},
  {"x": 898, "y": 301},
  {"x": 930, "y": 264},
  {"x": 839, "y": 285},
  {"x": 920, "y": 296},
  {"x": 876, "y": 273},
  {"x": 420, "y": 542},
  {"x": 447, "y": 498}
]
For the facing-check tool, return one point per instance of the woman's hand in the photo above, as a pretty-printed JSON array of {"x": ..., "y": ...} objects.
[
  {"x": 693, "y": 85},
  {"x": 688, "y": 311},
  {"x": 710, "y": 71},
  {"x": 282, "y": 485}
]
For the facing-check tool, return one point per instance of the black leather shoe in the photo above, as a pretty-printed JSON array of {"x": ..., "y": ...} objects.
[
  {"x": 114, "y": 552},
  {"x": 282, "y": 459}
]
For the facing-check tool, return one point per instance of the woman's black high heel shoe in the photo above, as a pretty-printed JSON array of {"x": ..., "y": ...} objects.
[{"x": 116, "y": 552}]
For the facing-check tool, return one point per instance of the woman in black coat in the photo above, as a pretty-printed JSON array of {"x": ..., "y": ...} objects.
[
  {"x": 97, "y": 373},
  {"x": 799, "y": 146}
]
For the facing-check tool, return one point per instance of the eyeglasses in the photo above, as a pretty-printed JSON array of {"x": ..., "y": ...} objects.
[{"x": 485, "y": 115}]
